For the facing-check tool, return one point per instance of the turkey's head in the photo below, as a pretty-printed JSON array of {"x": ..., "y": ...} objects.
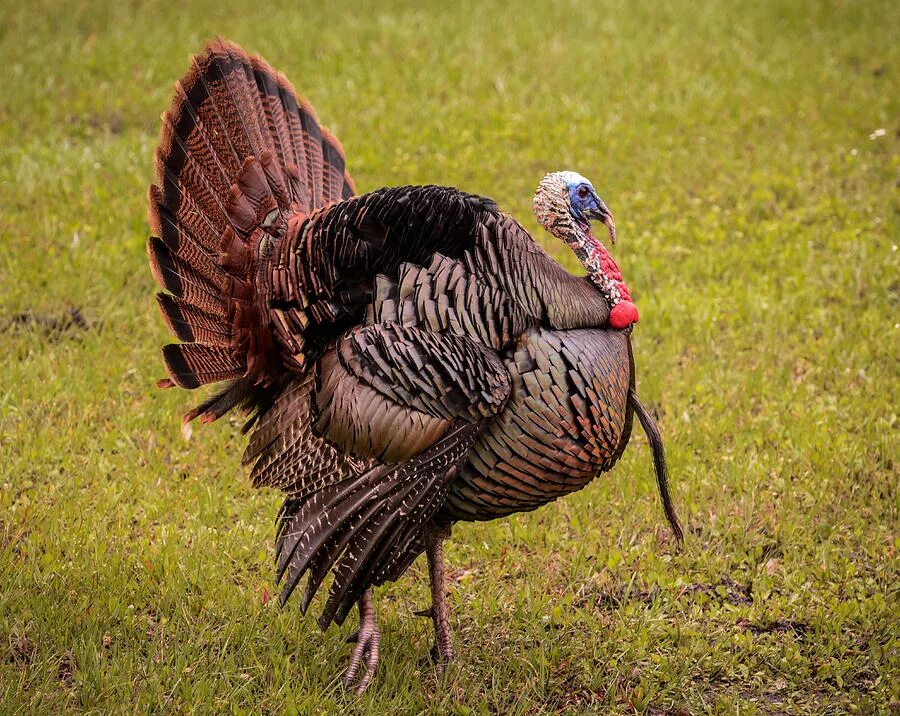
[{"x": 565, "y": 203}]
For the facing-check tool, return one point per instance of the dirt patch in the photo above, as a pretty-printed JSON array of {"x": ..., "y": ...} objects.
[
  {"x": 65, "y": 670},
  {"x": 615, "y": 599},
  {"x": 613, "y": 596},
  {"x": 107, "y": 122},
  {"x": 53, "y": 326},
  {"x": 22, "y": 650},
  {"x": 778, "y": 626},
  {"x": 663, "y": 711},
  {"x": 727, "y": 590}
]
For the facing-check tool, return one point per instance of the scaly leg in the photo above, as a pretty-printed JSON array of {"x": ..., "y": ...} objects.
[
  {"x": 366, "y": 651},
  {"x": 442, "y": 651}
]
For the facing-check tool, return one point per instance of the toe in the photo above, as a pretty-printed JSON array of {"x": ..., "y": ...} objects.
[
  {"x": 365, "y": 655},
  {"x": 371, "y": 661},
  {"x": 355, "y": 661}
]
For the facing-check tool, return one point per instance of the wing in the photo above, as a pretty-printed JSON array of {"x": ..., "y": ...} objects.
[
  {"x": 412, "y": 401},
  {"x": 367, "y": 529},
  {"x": 430, "y": 345},
  {"x": 389, "y": 391}
]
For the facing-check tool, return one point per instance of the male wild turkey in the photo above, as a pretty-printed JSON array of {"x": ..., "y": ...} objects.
[{"x": 411, "y": 357}]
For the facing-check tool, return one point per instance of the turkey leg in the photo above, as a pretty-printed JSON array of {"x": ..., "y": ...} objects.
[
  {"x": 366, "y": 652},
  {"x": 442, "y": 651}
]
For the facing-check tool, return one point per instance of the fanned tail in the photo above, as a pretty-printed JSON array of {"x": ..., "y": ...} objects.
[
  {"x": 367, "y": 527},
  {"x": 240, "y": 157},
  {"x": 659, "y": 462}
]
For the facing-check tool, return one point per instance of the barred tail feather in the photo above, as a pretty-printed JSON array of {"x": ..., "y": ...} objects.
[
  {"x": 239, "y": 155},
  {"x": 191, "y": 365}
]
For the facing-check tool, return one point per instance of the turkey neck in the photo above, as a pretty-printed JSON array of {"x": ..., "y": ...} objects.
[{"x": 601, "y": 267}]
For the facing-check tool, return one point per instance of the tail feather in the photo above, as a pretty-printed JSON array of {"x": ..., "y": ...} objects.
[
  {"x": 191, "y": 324},
  {"x": 273, "y": 112},
  {"x": 313, "y": 144},
  {"x": 241, "y": 92},
  {"x": 172, "y": 269},
  {"x": 209, "y": 95},
  {"x": 190, "y": 248},
  {"x": 191, "y": 365},
  {"x": 191, "y": 223},
  {"x": 192, "y": 172},
  {"x": 659, "y": 463},
  {"x": 238, "y": 392},
  {"x": 239, "y": 156}
]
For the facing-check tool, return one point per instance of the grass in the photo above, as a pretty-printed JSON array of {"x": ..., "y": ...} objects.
[{"x": 758, "y": 212}]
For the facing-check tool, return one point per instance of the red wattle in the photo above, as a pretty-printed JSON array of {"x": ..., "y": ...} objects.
[
  {"x": 609, "y": 267},
  {"x": 623, "y": 314}
]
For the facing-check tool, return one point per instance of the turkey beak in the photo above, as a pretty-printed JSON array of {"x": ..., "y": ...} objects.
[{"x": 602, "y": 213}]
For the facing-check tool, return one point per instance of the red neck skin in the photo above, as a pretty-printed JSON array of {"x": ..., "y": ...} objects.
[
  {"x": 604, "y": 272},
  {"x": 601, "y": 267},
  {"x": 603, "y": 260}
]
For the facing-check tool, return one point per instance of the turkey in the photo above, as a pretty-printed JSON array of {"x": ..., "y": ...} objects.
[{"x": 408, "y": 358}]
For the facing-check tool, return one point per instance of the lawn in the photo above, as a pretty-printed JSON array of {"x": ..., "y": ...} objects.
[{"x": 750, "y": 154}]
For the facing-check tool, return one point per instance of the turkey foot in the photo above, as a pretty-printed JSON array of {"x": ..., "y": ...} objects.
[
  {"x": 366, "y": 652},
  {"x": 442, "y": 651}
]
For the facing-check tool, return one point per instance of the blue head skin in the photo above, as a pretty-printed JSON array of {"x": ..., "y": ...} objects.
[{"x": 585, "y": 204}]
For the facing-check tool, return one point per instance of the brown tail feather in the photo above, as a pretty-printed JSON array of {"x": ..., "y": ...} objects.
[
  {"x": 240, "y": 155},
  {"x": 190, "y": 324},
  {"x": 173, "y": 269},
  {"x": 191, "y": 365},
  {"x": 193, "y": 225}
]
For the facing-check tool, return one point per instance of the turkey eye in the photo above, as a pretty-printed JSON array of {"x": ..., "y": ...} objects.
[{"x": 582, "y": 192}]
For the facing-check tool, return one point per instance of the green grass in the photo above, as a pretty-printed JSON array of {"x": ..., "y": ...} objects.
[{"x": 759, "y": 231}]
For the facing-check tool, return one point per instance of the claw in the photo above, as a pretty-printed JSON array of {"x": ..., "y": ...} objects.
[
  {"x": 438, "y": 659},
  {"x": 432, "y": 658}
]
